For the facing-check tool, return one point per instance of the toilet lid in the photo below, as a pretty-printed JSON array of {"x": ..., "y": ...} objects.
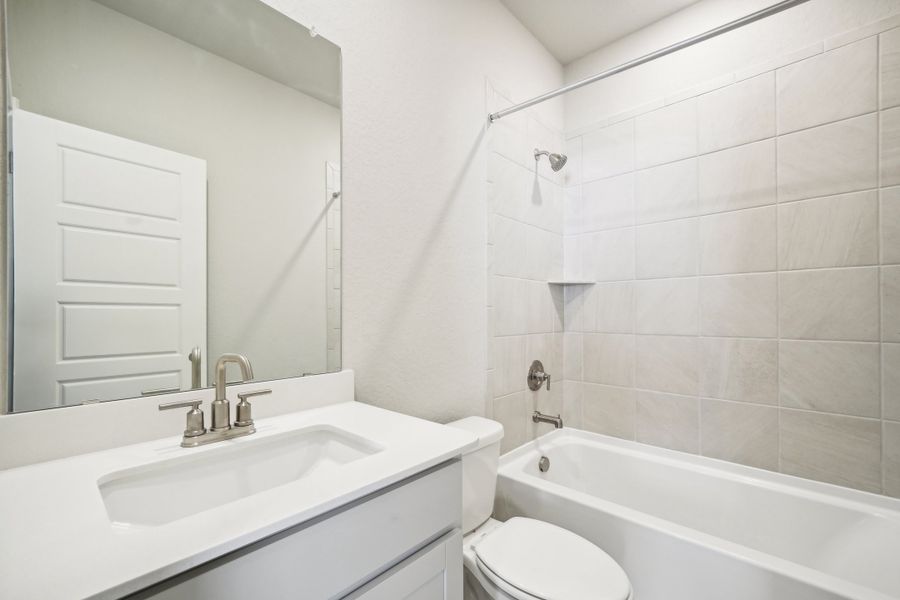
[{"x": 550, "y": 563}]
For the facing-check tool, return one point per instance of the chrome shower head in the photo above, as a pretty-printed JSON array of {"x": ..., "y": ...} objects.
[{"x": 557, "y": 161}]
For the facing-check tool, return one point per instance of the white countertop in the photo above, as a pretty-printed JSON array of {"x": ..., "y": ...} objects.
[{"x": 56, "y": 540}]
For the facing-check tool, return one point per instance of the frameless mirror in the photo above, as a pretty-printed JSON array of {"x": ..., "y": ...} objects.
[{"x": 175, "y": 195}]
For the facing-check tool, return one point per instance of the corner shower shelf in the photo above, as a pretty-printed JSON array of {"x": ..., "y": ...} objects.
[{"x": 570, "y": 282}]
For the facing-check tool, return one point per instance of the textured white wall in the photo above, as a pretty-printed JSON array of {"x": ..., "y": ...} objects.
[
  {"x": 413, "y": 187},
  {"x": 793, "y": 29}
]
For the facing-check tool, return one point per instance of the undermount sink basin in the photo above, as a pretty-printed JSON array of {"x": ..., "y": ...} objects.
[{"x": 162, "y": 492}]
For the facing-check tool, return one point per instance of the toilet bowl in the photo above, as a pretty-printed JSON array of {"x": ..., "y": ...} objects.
[{"x": 524, "y": 559}]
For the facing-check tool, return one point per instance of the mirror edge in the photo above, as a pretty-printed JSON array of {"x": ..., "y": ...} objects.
[{"x": 5, "y": 396}]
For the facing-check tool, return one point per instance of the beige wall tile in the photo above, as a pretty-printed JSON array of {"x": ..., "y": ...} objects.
[
  {"x": 666, "y": 192},
  {"x": 890, "y": 147},
  {"x": 512, "y": 412},
  {"x": 572, "y": 175},
  {"x": 831, "y": 304},
  {"x": 666, "y": 134},
  {"x": 547, "y": 348},
  {"x": 737, "y": 114},
  {"x": 609, "y": 255},
  {"x": 738, "y": 242},
  {"x": 892, "y": 459},
  {"x": 838, "y": 377},
  {"x": 609, "y": 410},
  {"x": 741, "y": 177},
  {"x": 509, "y": 310},
  {"x": 890, "y": 304},
  {"x": 890, "y": 224},
  {"x": 739, "y": 369},
  {"x": 539, "y": 308},
  {"x": 609, "y": 359},
  {"x": 838, "y": 231},
  {"x": 509, "y": 356},
  {"x": 835, "y": 85},
  {"x": 832, "y": 448},
  {"x": 666, "y": 306},
  {"x": 573, "y": 213},
  {"x": 572, "y": 357},
  {"x": 738, "y": 305},
  {"x": 608, "y": 203},
  {"x": 573, "y": 257},
  {"x": 741, "y": 433},
  {"x": 572, "y": 402},
  {"x": 608, "y": 151},
  {"x": 889, "y": 43},
  {"x": 667, "y": 364},
  {"x": 666, "y": 249},
  {"x": 831, "y": 159},
  {"x": 890, "y": 381},
  {"x": 609, "y": 308},
  {"x": 668, "y": 420}
]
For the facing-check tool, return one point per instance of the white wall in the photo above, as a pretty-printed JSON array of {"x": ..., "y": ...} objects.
[
  {"x": 791, "y": 30},
  {"x": 413, "y": 188},
  {"x": 265, "y": 145}
]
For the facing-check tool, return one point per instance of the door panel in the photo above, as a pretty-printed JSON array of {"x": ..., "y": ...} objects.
[{"x": 110, "y": 254}]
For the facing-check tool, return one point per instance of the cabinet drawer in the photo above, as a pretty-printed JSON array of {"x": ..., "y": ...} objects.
[
  {"x": 433, "y": 573},
  {"x": 335, "y": 553}
]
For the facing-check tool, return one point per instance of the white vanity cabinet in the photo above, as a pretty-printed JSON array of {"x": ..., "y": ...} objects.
[{"x": 403, "y": 542}]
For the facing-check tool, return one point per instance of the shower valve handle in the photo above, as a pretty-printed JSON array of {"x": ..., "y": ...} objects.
[{"x": 537, "y": 376}]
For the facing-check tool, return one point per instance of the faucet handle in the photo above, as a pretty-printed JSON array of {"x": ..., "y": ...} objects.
[
  {"x": 193, "y": 426},
  {"x": 537, "y": 376},
  {"x": 244, "y": 417}
]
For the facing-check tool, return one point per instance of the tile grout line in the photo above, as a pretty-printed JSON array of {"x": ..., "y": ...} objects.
[{"x": 702, "y": 214}]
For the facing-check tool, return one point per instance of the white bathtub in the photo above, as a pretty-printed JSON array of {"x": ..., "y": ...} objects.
[{"x": 686, "y": 527}]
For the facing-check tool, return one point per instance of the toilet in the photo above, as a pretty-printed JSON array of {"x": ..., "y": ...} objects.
[{"x": 524, "y": 559}]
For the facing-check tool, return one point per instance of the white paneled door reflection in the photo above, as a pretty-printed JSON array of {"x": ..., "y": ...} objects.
[{"x": 109, "y": 262}]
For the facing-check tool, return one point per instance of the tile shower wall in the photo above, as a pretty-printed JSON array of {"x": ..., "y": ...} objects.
[
  {"x": 525, "y": 251},
  {"x": 745, "y": 249}
]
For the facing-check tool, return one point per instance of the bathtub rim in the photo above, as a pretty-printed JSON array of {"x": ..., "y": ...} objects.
[{"x": 513, "y": 464}]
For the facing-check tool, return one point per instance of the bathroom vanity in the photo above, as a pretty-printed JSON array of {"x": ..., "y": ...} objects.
[{"x": 341, "y": 500}]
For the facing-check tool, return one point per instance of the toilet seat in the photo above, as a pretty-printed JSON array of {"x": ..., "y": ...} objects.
[{"x": 534, "y": 560}]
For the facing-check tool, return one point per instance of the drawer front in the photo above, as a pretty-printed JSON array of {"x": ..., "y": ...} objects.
[
  {"x": 433, "y": 573},
  {"x": 334, "y": 554}
]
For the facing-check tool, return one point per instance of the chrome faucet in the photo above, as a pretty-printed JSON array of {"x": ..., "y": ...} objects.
[
  {"x": 195, "y": 434},
  {"x": 539, "y": 417},
  {"x": 221, "y": 408}
]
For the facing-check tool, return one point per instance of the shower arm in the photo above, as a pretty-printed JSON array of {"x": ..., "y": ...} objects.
[{"x": 707, "y": 35}]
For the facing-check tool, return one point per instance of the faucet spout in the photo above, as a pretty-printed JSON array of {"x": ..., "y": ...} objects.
[
  {"x": 539, "y": 417},
  {"x": 221, "y": 409},
  {"x": 242, "y": 361}
]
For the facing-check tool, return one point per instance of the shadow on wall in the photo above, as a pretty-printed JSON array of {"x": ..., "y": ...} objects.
[{"x": 283, "y": 274}]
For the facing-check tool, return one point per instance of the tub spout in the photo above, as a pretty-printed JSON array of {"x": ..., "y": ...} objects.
[{"x": 539, "y": 417}]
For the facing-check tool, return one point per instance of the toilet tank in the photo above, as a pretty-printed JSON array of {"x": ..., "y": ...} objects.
[{"x": 479, "y": 470}]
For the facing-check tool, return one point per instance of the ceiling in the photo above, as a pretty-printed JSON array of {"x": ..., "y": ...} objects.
[
  {"x": 251, "y": 35},
  {"x": 569, "y": 29}
]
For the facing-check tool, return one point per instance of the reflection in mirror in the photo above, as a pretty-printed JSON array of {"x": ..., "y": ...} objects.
[{"x": 175, "y": 196}]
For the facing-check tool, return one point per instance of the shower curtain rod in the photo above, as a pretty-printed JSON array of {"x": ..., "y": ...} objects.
[{"x": 730, "y": 26}]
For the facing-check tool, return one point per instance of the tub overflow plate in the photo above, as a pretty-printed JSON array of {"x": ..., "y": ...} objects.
[{"x": 544, "y": 464}]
